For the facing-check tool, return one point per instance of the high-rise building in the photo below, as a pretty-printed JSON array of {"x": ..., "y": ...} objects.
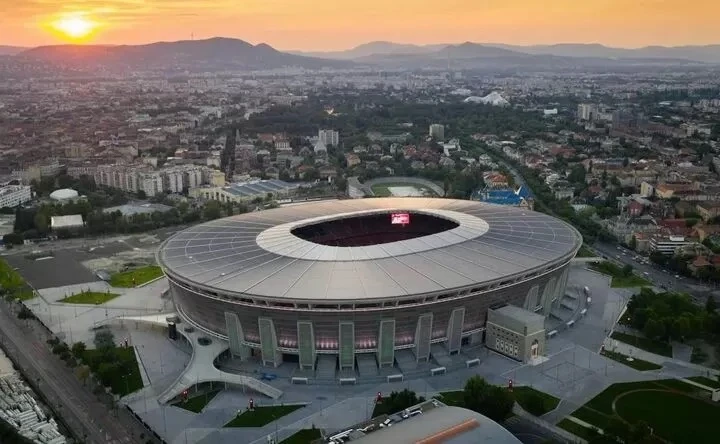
[
  {"x": 587, "y": 112},
  {"x": 329, "y": 137},
  {"x": 437, "y": 131}
]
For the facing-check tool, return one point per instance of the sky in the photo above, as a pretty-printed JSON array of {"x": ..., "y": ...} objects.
[{"x": 341, "y": 24}]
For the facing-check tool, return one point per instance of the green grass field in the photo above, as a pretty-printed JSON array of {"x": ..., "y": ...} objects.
[
  {"x": 124, "y": 374},
  {"x": 665, "y": 405},
  {"x": 524, "y": 396},
  {"x": 657, "y": 347},
  {"x": 637, "y": 364},
  {"x": 673, "y": 416},
  {"x": 138, "y": 276},
  {"x": 619, "y": 279},
  {"x": 304, "y": 436},
  {"x": 383, "y": 189},
  {"x": 261, "y": 416},
  {"x": 452, "y": 398},
  {"x": 12, "y": 284},
  {"x": 196, "y": 404},
  {"x": 90, "y": 297}
]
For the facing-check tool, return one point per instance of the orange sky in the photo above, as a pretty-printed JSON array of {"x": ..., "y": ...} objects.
[{"x": 340, "y": 24}]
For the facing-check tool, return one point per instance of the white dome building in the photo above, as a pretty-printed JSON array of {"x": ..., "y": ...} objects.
[{"x": 64, "y": 194}]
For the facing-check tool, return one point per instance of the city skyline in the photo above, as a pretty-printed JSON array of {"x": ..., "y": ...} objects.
[{"x": 319, "y": 25}]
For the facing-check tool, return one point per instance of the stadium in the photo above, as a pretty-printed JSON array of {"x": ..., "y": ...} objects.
[{"x": 369, "y": 278}]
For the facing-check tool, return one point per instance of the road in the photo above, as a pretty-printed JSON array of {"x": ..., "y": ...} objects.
[
  {"x": 655, "y": 274},
  {"x": 80, "y": 410}
]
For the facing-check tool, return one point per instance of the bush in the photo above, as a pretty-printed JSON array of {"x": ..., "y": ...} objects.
[{"x": 492, "y": 401}]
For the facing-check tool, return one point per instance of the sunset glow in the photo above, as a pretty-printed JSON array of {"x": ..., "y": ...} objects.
[
  {"x": 75, "y": 27},
  {"x": 294, "y": 24}
]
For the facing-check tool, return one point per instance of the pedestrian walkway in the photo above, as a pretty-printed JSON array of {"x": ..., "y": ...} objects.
[{"x": 629, "y": 350}]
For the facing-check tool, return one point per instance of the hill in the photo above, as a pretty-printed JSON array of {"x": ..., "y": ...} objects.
[{"x": 190, "y": 55}]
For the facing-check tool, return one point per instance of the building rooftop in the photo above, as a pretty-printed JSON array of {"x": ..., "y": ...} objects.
[
  {"x": 447, "y": 425},
  {"x": 259, "y": 187},
  {"x": 525, "y": 316},
  {"x": 255, "y": 254},
  {"x": 71, "y": 221},
  {"x": 132, "y": 208}
]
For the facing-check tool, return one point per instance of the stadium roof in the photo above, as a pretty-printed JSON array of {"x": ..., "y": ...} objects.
[
  {"x": 448, "y": 425},
  {"x": 255, "y": 254},
  {"x": 259, "y": 187}
]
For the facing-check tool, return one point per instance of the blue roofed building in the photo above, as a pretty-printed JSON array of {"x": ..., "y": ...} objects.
[
  {"x": 247, "y": 191},
  {"x": 520, "y": 197}
]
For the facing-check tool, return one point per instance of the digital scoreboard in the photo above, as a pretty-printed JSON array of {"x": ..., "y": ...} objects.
[{"x": 400, "y": 218}]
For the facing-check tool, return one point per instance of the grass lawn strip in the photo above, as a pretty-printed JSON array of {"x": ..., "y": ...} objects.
[
  {"x": 657, "y": 347},
  {"x": 712, "y": 383},
  {"x": 138, "y": 276},
  {"x": 523, "y": 393},
  {"x": 12, "y": 283},
  {"x": 673, "y": 416},
  {"x": 262, "y": 416},
  {"x": 90, "y": 297},
  {"x": 455, "y": 398},
  {"x": 637, "y": 364},
  {"x": 196, "y": 404},
  {"x": 619, "y": 279},
  {"x": 304, "y": 436}
]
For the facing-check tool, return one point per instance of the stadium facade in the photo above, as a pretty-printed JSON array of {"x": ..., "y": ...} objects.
[{"x": 362, "y": 276}]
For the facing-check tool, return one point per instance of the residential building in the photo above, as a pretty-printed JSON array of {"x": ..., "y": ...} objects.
[
  {"x": 14, "y": 195},
  {"x": 437, "y": 131},
  {"x": 329, "y": 137},
  {"x": 668, "y": 244}
]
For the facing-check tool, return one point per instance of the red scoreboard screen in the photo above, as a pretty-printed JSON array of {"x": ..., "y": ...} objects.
[{"x": 400, "y": 218}]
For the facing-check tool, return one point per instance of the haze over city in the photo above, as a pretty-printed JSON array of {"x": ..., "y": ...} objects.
[{"x": 314, "y": 25}]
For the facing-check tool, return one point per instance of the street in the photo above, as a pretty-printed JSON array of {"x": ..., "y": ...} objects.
[
  {"x": 697, "y": 290},
  {"x": 79, "y": 409}
]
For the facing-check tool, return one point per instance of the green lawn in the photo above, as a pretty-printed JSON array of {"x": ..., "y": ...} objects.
[
  {"x": 138, "y": 276},
  {"x": 116, "y": 367},
  {"x": 637, "y": 364},
  {"x": 585, "y": 251},
  {"x": 673, "y": 416},
  {"x": 657, "y": 347},
  {"x": 90, "y": 297},
  {"x": 196, "y": 404},
  {"x": 262, "y": 416},
  {"x": 712, "y": 383},
  {"x": 452, "y": 398},
  {"x": 619, "y": 278},
  {"x": 304, "y": 436},
  {"x": 534, "y": 401},
  {"x": 598, "y": 411},
  {"x": 12, "y": 284},
  {"x": 383, "y": 189}
]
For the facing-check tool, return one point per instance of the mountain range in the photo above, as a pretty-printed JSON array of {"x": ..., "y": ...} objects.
[
  {"x": 219, "y": 54},
  {"x": 702, "y": 54},
  {"x": 214, "y": 54}
]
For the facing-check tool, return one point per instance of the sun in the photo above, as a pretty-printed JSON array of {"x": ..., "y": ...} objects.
[{"x": 75, "y": 27}]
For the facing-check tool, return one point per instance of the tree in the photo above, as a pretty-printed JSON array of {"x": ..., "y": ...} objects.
[
  {"x": 618, "y": 430},
  {"x": 104, "y": 339},
  {"x": 212, "y": 210},
  {"x": 492, "y": 401},
  {"x": 627, "y": 270},
  {"x": 654, "y": 329},
  {"x": 83, "y": 373},
  {"x": 78, "y": 349},
  {"x": 398, "y": 401},
  {"x": 633, "y": 243},
  {"x": 141, "y": 195},
  {"x": 711, "y": 304}
]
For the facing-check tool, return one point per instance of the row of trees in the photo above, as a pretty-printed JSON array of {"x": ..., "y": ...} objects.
[
  {"x": 672, "y": 316},
  {"x": 493, "y": 401}
]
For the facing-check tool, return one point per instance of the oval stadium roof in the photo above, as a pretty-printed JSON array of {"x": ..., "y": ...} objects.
[{"x": 255, "y": 254}]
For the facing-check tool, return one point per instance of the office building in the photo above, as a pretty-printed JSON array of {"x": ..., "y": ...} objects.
[
  {"x": 329, "y": 137},
  {"x": 14, "y": 195},
  {"x": 437, "y": 131}
]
